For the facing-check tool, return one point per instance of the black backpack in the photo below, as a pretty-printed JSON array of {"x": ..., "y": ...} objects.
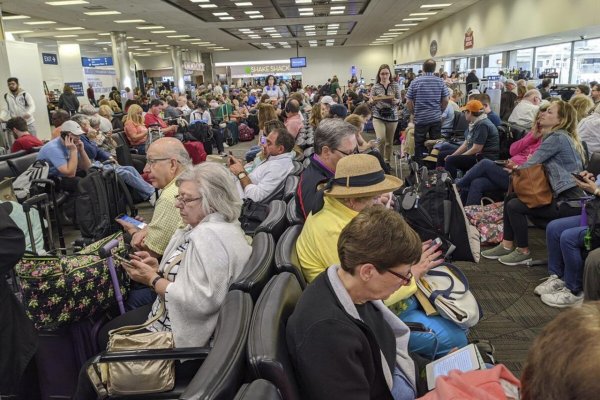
[
  {"x": 253, "y": 214},
  {"x": 200, "y": 132},
  {"x": 101, "y": 197},
  {"x": 508, "y": 134}
]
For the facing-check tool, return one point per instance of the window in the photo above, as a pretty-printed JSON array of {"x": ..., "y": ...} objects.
[
  {"x": 586, "y": 61},
  {"x": 525, "y": 59},
  {"x": 557, "y": 57}
]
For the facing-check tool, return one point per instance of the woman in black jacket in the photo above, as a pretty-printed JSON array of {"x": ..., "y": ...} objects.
[{"x": 68, "y": 100}]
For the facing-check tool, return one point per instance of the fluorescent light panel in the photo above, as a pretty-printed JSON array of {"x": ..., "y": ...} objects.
[
  {"x": 178, "y": 36},
  {"x": 251, "y": 12},
  {"x": 338, "y": 7},
  {"x": 244, "y": 4},
  {"x": 307, "y": 14},
  {"x": 73, "y": 28},
  {"x": 17, "y": 32},
  {"x": 220, "y": 14},
  {"x": 65, "y": 36},
  {"x": 226, "y": 18},
  {"x": 305, "y": 9},
  {"x": 436, "y": 5},
  {"x": 66, "y": 2},
  {"x": 412, "y": 24},
  {"x": 303, "y": 1},
  {"x": 129, "y": 21},
  {"x": 421, "y": 14},
  {"x": 97, "y": 13},
  {"x": 9, "y": 17},
  {"x": 87, "y": 40},
  {"x": 414, "y": 19},
  {"x": 39, "y": 23},
  {"x": 208, "y": 6},
  {"x": 150, "y": 27},
  {"x": 256, "y": 16},
  {"x": 164, "y": 31},
  {"x": 336, "y": 12}
]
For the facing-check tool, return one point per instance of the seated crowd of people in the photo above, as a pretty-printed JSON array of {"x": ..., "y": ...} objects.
[{"x": 349, "y": 335}]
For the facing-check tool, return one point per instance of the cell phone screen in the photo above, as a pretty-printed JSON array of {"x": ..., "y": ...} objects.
[{"x": 132, "y": 221}]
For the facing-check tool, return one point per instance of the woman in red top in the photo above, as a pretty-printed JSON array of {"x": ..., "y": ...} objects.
[{"x": 135, "y": 130}]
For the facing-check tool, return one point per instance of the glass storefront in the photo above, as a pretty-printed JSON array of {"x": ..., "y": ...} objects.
[
  {"x": 586, "y": 61},
  {"x": 555, "y": 57}
]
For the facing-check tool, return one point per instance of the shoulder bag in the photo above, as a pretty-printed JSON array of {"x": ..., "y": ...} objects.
[
  {"x": 531, "y": 186},
  {"x": 136, "y": 377}
]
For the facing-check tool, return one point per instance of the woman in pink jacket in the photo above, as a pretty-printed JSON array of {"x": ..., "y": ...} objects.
[{"x": 487, "y": 176}]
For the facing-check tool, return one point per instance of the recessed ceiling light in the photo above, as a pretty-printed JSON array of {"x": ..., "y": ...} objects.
[
  {"x": 220, "y": 14},
  {"x": 333, "y": 25},
  {"x": 305, "y": 9},
  {"x": 244, "y": 4},
  {"x": 39, "y": 23},
  {"x": 406, "y": 24},
  {"x": 64, "y": 36},
  {"x": 303, "y": 1},
  {"x": 128, "y": 21},
  {"x": 143, "y": 49},
  {"x": 399, "y": 29},
  {"x": 331, "y": 32},
  {"x": 313, "y": 45},
  {"x": 178, "y": 36},
  {"x": 189, "y": 40},
  {"x": 307, "y": 14},
  {"x": 436, "y": 5},
  {"x": 17, "y": 32},
  {"x": 226, "y": 18},
  {"x": 163, "y": 31},
  {"x": 414, "y": 19},
  {"x": 103, "y": 42},
  {"x": 256, "y": 16},
  {"x": 275, "y": 35},
  {"x": 73, "y": 28},
  {"x": 311, "y": 33},
  {"x": 269, "y": 29},
  {"x": 254, "y": 36},
  {"x": 309, "y": 27},
  {"x": 422, "y": 13},
  {"x": 151, "y": 43},
  {"x": 9, "y": 17},
  {"x": 205, "y": 44},
  {"x": 208, "y": 6},
  {"x": 150, "y": 27},
  {"x": 87, "y": 40},
  {"x": 251, "y": 12},
  {"x": 104, "y": 34},
  {"x": 221, "y": 49},
  {"x": 140, "y": 41},
  {"x": 162, "y": 45},
  {"x": 338, "y": 8},
  {"x": 336, "y": 12},
  {"x": 102, "y": 13},
  {"x": 199, "y": 1},
  {"x": 66, "y": 2},
  {"x": 245, "y": 30}
]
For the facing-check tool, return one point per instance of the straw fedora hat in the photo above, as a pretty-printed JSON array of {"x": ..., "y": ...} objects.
[{"x": 360, "y": 175}]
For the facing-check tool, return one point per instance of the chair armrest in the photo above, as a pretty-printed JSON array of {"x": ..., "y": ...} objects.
[{"x": 196, "y": 353}]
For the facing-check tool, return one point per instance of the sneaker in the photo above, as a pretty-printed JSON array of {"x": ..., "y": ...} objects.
[
  {"x": 223, "y": 154},
  {"x": 496, "y": 252},
  {"x": 552, "y": 284},
  {"x": 562, "y": 299},
  {"x": 515, "y": 258},
  {"x": 225, "y": 145}
]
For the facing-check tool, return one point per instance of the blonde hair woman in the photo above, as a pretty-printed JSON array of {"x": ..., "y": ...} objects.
[
  {"x": 315, "y": 116},
  {"x": 114, "y": 106},
  {"x": 582, "y": 104},
  {"x": 135, "y": 130}
]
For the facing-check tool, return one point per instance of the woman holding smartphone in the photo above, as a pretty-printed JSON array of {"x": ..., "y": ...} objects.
[
  {"x": 384, "y": 98},
  {"x": 490, "y": 176}
]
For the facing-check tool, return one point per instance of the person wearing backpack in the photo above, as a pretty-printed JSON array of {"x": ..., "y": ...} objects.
[
  {"x": 17, "y": 103},
  {"x": 68, "y": 100}
]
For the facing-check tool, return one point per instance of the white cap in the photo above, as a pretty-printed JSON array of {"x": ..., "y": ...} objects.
[
  {"x": 105, "y": 125},
  {"x": 327, "y": 100},
  {"x": 72, "y": 127}
]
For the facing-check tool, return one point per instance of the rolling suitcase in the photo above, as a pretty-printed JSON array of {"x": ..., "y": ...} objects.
[
  {"x": 196, "y": 151},
  {"x": 232, "y": 133}
]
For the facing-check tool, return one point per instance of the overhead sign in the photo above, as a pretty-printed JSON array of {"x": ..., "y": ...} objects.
[
  {"x": 96, "y": 62},
  {"x": 258, "y": 69},
  {"x": 468, "y": 39},
  {"x": 193, "y": 66},
  {"x": 49, "y": 58},
  {"x": 433, "y": 48},
  {"x": 77, "y": 88}
]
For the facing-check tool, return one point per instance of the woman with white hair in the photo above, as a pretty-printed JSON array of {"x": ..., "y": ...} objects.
[{"x": 589, "y": 130}]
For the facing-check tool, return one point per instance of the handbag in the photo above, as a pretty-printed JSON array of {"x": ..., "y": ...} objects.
[
  {"x": 136, "y": 377},
  {"x": 447, "y": 288},
  {"x": 487, "y": 218},
  {"x": 59, "y": 289},
  {"x": 531, "y": 186}
]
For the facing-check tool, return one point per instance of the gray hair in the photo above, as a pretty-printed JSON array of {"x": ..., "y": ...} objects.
[
  {"x": 95, "y": 121},
  {"x": 216, "y": 189},
  {"x": 331, "y": 132},
  {"x": 88, "y": 109},
  {"x": 80, "y": 119},
  {"x": 532, "y": 93}
]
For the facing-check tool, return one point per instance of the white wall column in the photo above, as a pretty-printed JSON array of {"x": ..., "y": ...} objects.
[
  {"x": 121, "y": 60},
  {"x": 177, "y": 62},
  {"x": 69, "y": 61}
]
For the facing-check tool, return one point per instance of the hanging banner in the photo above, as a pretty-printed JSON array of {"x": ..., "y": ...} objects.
[
  {"x": 102, "y": 80},
  {"x": 468, "y": 39}
]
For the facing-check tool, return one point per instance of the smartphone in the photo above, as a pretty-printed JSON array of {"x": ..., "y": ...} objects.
[
  {"x": 64, "y": 134},
  {"x": 501, "y": 162},
  {"x": 578, "y": 177},
  {"x": 263, "y": 140},
  {"x": 132, "y": 221},
  {"x": 435, "y": 242},
  {"x": 122, "y": 260}
]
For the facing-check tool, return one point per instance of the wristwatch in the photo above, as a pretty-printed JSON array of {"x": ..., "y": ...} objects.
[{"x": 242, "y": 175}]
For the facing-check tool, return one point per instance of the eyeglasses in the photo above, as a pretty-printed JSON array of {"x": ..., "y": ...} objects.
[
  {"x": 185, "y": 202},
  {"x": 355, "y": 151},
  {"x": 406, "y": 279},
  {"x": 152, "y": 161}
]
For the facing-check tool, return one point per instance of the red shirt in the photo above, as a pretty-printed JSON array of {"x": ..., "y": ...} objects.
[
  {"x": 151, "y": 119},
  {"x": 26, "y": 142}
]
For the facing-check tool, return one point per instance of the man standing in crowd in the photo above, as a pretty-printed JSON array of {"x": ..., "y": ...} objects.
[
  {"x": 17, "y": 103},
  {"x": 334, "y": 139},
  {"x": 264, "y": 179},
  {"x": 91, "y": 95},
  {"x": 23, "y": 139},
  {"x": 152, "y": 117},
  {"x": 525, "y": 112},
  {"x": 427, "y": 98}
]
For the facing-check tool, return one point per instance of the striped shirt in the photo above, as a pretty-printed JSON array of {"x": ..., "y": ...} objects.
[
  {"x": 385, "y": 110},
  {"x": 427, "y": 92}
]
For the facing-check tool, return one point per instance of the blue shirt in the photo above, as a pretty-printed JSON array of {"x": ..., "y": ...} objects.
[
  {"x": 492, "y": 116},
  {"x": 251, "y": 100},
  {"x": 93, "y": 151},
  {"x": 56, "y": 154},
  {"x": 427, "y": 92},
  {"x": 448, "y": 121}
]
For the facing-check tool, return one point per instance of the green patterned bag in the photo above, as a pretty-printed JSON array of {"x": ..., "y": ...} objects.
[{"x": 62, "y": 289}]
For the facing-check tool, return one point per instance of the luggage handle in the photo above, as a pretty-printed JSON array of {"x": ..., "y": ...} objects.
[
  {"x": 105, "y": 252},
  {"x": 447, "y": 292}
]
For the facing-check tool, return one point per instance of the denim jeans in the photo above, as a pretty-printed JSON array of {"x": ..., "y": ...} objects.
[
  {"x": 485, "y": 176},
  {"x": 460, "y": 162},
  {"x": 401, "y": 388},
  {"x": 564, "y": 238},
  {"x": 433, "y": 130},
  {"x": 252, "y": 152},
  {"x": 134, "y": 180}
]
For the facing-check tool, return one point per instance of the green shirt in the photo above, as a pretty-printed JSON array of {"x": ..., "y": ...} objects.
[{"x": 165, "y": 221}]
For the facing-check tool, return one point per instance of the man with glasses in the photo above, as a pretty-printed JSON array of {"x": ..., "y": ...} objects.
[
  {"x": 595, "y": 94},
  {"x": 264, "y": 179},
  {"x": 525, "y": 112},
  {"x": 334, "y": 139}
]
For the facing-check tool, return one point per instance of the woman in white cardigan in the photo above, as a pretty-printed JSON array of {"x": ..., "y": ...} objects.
[{"x": 208, "y": 255}]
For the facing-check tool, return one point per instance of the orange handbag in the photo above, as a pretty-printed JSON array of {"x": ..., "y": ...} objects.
[{"x": 531, "y": 186}]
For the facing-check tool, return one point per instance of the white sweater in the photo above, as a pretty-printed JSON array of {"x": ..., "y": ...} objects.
[
  {"x": 266, "y": 177},
  {"x": 214, "y": 258}
]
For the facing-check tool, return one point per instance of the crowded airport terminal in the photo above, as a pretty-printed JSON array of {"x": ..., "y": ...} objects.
[{"x": 299, "y": 200}]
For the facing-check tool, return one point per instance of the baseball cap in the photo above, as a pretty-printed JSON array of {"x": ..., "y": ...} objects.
[
  {"x": 105, "y": 125},
  {"x": 72, "y": 127},
  {"x": 338, "y": 110},
  {"x": 474, "y": 91},
  {"x": 509, "y": 81},
  {"x": 327, "y": 100},
  {"x": 473, "y": 106}
]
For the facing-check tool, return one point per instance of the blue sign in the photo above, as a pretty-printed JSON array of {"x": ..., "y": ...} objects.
[
  {"x": 49, "y": 58},
  {"x": 77, "y": 88},
  {"x": 493, "y": 77},
  {"x": 96, "y": 62},
  {"x": 353, "y": 71},
  {"x": 297, "y": 62}
]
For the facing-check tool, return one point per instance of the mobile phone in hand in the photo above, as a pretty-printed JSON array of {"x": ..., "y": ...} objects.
[
  {"x": 501, "y": 162},
  {"x": 132, "y": 221},
  {"x": 435, "y": 242},
  {"x": 578, "y": 177},
  {"x": 122, "y": 260}
]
